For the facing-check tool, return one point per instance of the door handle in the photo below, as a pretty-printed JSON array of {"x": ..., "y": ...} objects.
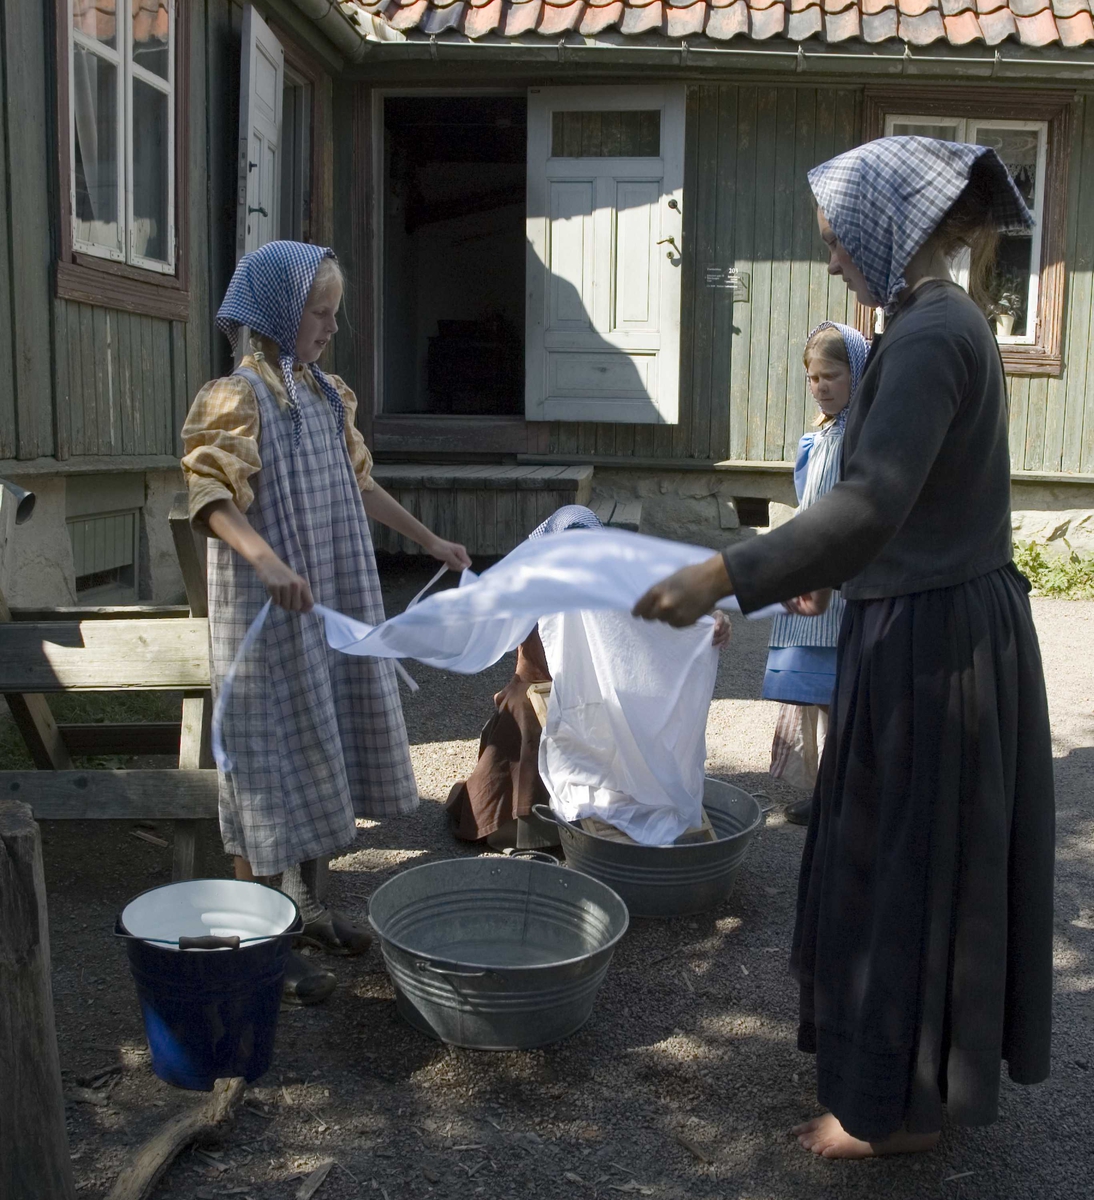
[
  {"x": 671, "y": 241},
  {"x": 261, "y": 210}
]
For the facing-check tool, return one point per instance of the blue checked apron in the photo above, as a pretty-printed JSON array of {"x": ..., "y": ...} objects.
[{"x": 317, "y": 737}]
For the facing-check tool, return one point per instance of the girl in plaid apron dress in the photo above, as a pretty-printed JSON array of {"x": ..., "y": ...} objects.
[
  {"x": 279, "y": 476},
  {"x": 801, "y": 661}
]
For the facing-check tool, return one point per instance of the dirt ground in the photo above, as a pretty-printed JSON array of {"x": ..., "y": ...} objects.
[{"x": 683, "y": 1084}]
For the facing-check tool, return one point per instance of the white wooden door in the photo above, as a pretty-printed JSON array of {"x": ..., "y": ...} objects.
[
  {"x": 605, "y": 201},
  {"x": 261, "y": 87}
]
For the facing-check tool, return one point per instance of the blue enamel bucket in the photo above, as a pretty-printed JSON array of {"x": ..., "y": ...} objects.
[{"x": 208, "y": 960}]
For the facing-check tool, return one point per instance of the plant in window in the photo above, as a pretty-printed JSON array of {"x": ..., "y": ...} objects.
[{"x": 1009, "y": 302}]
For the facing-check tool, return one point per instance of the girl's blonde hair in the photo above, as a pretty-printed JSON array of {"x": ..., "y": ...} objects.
[
  {"x": 266, "y": 352},
  {"x": 826, "y": 344}
]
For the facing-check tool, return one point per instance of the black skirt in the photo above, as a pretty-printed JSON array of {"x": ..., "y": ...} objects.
[{"x": 923, "y": 944}]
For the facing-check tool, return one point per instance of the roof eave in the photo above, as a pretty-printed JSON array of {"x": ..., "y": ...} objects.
[{"x": 894, "y": 58}]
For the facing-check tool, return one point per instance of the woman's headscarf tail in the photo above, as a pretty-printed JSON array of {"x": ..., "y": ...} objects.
[
  {"x": 854, "y": 343},
  {"x": 884, "y": 199},
  {"x": 267, "y": 294}
]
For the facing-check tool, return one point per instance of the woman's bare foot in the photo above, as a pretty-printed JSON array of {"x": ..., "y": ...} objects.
[{"x": 827, "y": 1137}]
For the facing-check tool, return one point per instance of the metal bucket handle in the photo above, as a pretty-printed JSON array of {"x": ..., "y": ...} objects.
[
  {"x": 433, "y": 968},
  {"x": 534, "y": 856},
  {"x": 208, "y": 941},
  {"x": 543, "y": 811}
]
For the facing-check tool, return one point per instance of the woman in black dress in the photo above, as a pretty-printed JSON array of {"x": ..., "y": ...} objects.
[{"x": 923, "y": 943}]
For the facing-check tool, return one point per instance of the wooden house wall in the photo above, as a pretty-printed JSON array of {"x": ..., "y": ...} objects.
[{"x": 1052, "y": 419}]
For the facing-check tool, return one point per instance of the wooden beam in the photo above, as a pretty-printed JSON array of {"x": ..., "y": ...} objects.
[
  {"x": 191, "y": 554},
  {"x": 195, "y": 753},
  {"x": 146, "y": 795},
  {"x": 108, "y": 612},
  {"x": 34, "y": 1158},
  {"x": 35, "y": 722},
  {"x": 104, "y": 656}
]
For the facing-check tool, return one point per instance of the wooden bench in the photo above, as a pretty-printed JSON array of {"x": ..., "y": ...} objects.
[
  {"x": 489, "y": 508},
  {"x": 100, "y": 650}
]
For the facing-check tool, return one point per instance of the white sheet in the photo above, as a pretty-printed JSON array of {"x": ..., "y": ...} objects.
[
  {"x": 626, "y": 721},
  {"x": 468, "y": 628}
]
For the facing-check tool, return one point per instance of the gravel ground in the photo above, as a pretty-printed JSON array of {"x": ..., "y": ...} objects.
[{"x": 683, "y": 1084}]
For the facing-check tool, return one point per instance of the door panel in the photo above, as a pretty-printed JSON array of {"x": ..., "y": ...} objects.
[
  {"x": 603, "y": 316},
  {"x": 571, "y": 255},
  {"x": 262, "y": 84}
]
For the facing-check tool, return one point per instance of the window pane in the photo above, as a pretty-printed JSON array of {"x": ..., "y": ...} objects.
[
  {"x": 151, "y": 35},
  {"x": 629, "y": 134},
  {"x": 95, "y": 141},
  {"x": 1018, "y": 148},
  {"x": 946, "y": 131},
  {"x": 96, "y": 19},
  {"x": 150, "y": 175}
]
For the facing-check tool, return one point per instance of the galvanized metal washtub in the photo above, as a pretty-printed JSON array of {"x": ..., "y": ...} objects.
[
  {"x": 670, "y": 881},
  {"x": 497, "y": 953}
]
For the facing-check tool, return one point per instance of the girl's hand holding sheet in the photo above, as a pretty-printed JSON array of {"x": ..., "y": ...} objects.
[
  {"x": 452, "y": 554},
  {"x": 723, "y": 630},
  {"x": 286, "y": 589}
]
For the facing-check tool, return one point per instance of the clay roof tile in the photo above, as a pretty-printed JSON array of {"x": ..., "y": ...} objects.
[
  {"x": 729, "y": 22},
  {"x": 963, "y": 29},
  {"x": 997, "y": 26},
  {"x": 560, "y": 17},
  {"x": 843, "y": 26},
  {"x": 767, "y": 22},
  {"x": 520, "y": 18},
  {"x": 922, "y": 30},
  {"x": 1069, "y": 8},
  {"x": 1038, "y": 30},
  {"x": 482, "y": 18},
  {"x": 437, "y": 20},
  {"x": 407, "y": 16},
  {"x": 641, "y": 20},
  {"x": 879, "y": 27},
  {"x": 685, "y": 22},
  {"x": 1076, "y": 31},
  {"x": 596, "y": 19},
  {"x": 916, "y": 8},
  {"x": 805, "y": 24},
  {"x": 871, "y": 8}
]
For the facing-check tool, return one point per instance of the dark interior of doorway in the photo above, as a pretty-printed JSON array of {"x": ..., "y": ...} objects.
[{"x": 454, "y": 248}]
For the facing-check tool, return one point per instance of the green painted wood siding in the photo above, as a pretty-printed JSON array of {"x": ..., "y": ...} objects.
[
  {"x": 78, "y": 379},
  {"x": 1052, "y": 420}
]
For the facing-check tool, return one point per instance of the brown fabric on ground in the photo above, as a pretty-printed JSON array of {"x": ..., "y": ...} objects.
[{"x": 505, "y": 782}]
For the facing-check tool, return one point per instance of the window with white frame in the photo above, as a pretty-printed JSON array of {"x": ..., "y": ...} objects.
[
  {"x": 122, "y": 130},
  {"x": 1022, "y": 145}
]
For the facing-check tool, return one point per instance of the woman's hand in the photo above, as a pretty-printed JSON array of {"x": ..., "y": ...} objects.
[
  {"x": 812, "y": 604},
  {"x": 723, "y": 630},
  {"x": 286, "y": 589},
  {"x": 452, "y": 554},
  {"x": 684, "y": 597}
]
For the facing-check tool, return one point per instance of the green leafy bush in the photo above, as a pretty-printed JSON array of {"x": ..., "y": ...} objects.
[{"x": 1067, "y": 576}]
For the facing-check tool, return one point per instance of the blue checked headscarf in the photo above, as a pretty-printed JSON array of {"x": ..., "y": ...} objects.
[
  {"x": 856, "y": 345},
  {"x": 569, "y": 516},
  {"x": 885, "y": 199},
  {"x": 267, "y": 293}
]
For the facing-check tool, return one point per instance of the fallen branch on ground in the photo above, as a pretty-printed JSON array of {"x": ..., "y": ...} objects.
[{"x": 137, "y": 1181}]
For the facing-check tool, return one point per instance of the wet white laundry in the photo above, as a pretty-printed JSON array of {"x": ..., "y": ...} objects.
[
  {"x": 625, "y": 739},
  {"x": 467, "y": 629}
]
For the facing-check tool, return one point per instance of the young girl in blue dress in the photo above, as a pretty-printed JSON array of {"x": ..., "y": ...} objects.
[{"x": 801, "y": 663}]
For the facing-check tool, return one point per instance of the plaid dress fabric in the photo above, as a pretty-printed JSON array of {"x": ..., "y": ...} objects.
[
  {"x": 569, "y": 516},
  {"x": 884, "y": 200},
  {"x": 317, "y": 737}
]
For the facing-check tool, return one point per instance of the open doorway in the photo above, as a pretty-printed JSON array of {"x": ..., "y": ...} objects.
[{"x": 454, "y": 191}]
